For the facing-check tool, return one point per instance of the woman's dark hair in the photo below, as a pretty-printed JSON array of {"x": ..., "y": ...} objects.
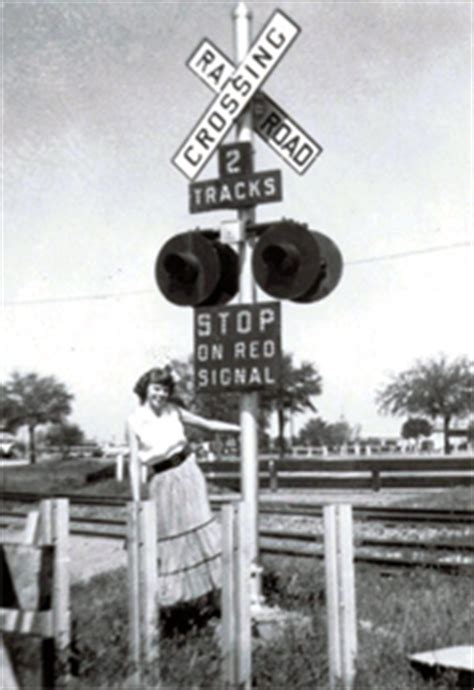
[{"x": 164, "y": 376}]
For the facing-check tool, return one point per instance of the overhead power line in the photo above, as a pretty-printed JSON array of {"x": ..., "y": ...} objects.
[
  {"x": 77, "y": 298},
  {"x": 131, "y": 293},
  {"x": 413, "y": 252}
]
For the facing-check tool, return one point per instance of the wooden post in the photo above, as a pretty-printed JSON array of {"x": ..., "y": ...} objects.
[
  {"x": 39, "y": 564},
  {"x": 133, "y": 588},
  {"x": 54, "y": 526},
  {"x": 30, "y": 536},
  {"x": 142, "y": 550},
  {"x": 347, "y": 595},
  {"x": 273, "y": 475},
  {"x": 61, "y": 599},
  {"x": 119, "y": 462},
  {"x": 31, "y": 532},
  {"x": 244, "y": 622},
  {"x": 376, "y": 479},
  {"x": 9, "y": 680},
  {"x": 340, "y": 595},
  {"x": 236, "y": 618},
  {"x": 229, "y": 620},
  {"x": 148, "y": 569},
  {"x": 332, "y": 595}
]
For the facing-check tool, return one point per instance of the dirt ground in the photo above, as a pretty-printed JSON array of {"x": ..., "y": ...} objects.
[{"x": 90, "y": 556}]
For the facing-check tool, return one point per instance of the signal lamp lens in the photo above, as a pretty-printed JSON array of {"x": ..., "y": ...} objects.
[{"x": 183, "y": 267}]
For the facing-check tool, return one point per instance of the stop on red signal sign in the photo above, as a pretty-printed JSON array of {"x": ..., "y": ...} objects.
[{"x": 237, "y": 347}]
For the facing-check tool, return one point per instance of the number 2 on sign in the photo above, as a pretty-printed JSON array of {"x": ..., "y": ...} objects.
[
  {"x": 235, "y": 159},
  {"x": 233, "y": 165}
]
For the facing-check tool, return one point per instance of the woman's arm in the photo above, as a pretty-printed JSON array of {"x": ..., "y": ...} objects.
[
  {"x": 208, "y": 424},
  {"x": 134, "y": 466}
]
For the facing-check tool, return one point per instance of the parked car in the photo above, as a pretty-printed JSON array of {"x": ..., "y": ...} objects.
[{"x": 8, "y": 444}]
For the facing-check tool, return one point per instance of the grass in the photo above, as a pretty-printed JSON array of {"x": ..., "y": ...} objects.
[
  {"x": 415, "y": 611},
  {"x": 454, "y": 498},
  {"x": 54, "y": 476}
]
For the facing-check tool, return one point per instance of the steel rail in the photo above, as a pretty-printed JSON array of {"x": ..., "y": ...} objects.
[
  {"x": 281, "y": 507},
  {"x": 284, "y": 535},
  {"x": 290, "y": 535},
  {"x": 450, "y": 567},
  {"x": 382, "y": 561}
]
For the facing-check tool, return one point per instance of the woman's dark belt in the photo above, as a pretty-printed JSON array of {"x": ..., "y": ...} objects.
[{"x": 171, "y": 462}]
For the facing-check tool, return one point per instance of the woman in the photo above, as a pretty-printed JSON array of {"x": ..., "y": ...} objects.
[{"x": 189, "y": 548}]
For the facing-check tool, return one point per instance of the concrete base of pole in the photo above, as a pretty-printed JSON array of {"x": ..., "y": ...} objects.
[{"x": 270, "y": 623}]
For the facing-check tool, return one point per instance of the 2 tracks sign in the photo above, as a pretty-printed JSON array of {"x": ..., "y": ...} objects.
[{"x": 237, "y": 185}]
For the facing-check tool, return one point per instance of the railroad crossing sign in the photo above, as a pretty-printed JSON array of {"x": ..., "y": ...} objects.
[
  {"x": 237, "y": 347},
  {"x": 266, "y": 52},
  {"x": 271, "y": 123}
]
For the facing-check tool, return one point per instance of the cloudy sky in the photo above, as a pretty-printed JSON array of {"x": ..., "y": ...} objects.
[{"x": 97, "y": 99}]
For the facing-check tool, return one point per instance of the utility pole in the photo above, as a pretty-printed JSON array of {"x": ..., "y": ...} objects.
[
  {"x": 242, "y": 18},
  {"x": 284, "y": 258}
]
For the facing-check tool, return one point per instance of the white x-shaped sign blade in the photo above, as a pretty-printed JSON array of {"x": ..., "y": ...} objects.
[
  {"x": 271, "y": 123},
  {"x": 266, "y": 52}
]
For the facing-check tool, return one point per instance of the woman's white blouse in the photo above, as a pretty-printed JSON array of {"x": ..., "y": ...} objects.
[{"x": 155, "y": 434}]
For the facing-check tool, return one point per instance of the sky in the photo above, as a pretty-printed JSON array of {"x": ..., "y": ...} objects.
[{"x": 97, "y": 98}]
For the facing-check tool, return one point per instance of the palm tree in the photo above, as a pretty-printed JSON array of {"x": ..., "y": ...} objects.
[
  {"x": 434, "y": 388},
  {"x": 297, "y": 386}
]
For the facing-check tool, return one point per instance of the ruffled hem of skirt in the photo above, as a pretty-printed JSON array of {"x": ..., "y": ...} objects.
[{"x": 189, "y": 564}]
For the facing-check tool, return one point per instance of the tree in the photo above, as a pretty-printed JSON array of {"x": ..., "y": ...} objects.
[
  {"x": 338, "y": 433},
  {"x": 297, "y": 386},
  {"x": 9, "y": 411},
  {"x": 414, "y": 427},
  {"x": 64, "y": 436},
  {"x": 317, "y": 432},
  {"x": 314, "y": 432},
  {"x": 435, "y": 388},
  {"x": 33, "y": 400}
]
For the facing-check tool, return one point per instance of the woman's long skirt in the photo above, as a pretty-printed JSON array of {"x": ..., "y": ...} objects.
[{"x": 189, "y": 537}]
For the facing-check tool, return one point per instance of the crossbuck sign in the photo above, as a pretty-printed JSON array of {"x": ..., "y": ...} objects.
[
  {"x": 278, "y": 129},
  {"x": 266, "y": 52}
]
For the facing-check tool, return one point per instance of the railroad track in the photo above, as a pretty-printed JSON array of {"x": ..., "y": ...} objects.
[
  {"x": 282, "y": 542},
  {"x": 8, "y": 519},
  {"x": 278, "y": 507}
]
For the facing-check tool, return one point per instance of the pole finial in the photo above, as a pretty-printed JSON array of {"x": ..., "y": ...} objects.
[{"x": 241, "y": 10}]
